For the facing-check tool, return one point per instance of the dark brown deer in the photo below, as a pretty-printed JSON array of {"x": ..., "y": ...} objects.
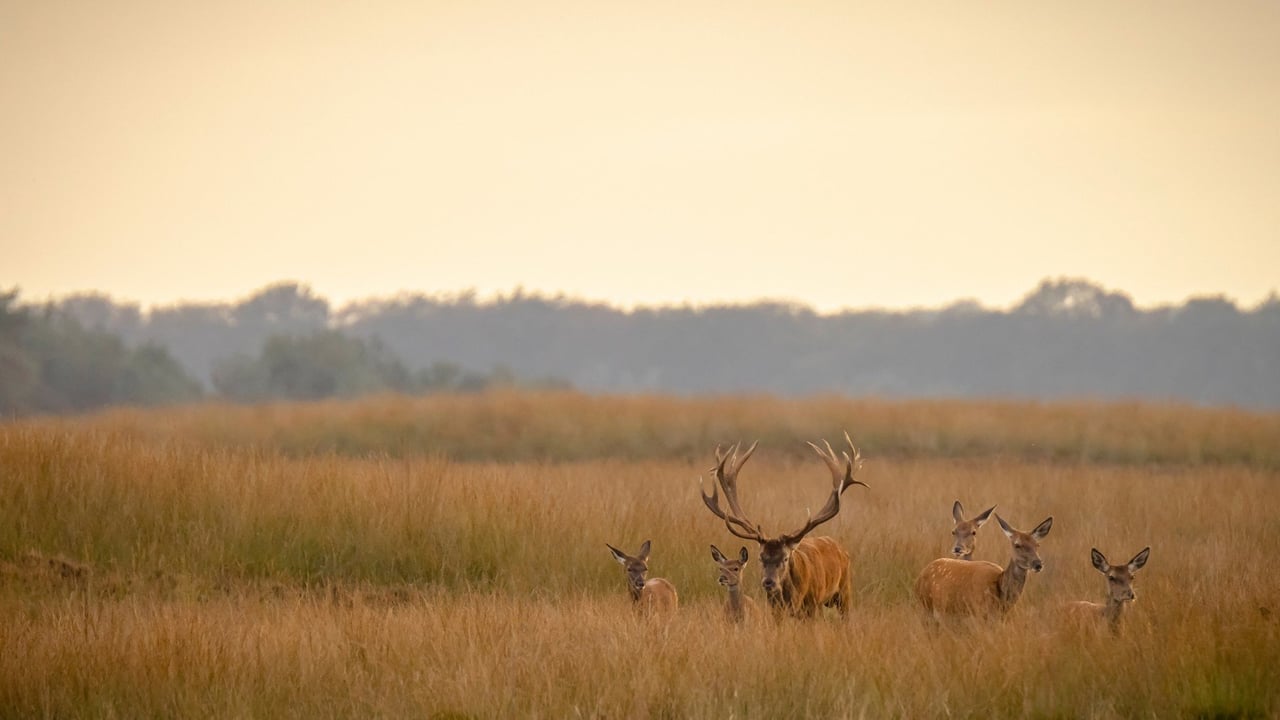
[{"x": 800, "y": 574}]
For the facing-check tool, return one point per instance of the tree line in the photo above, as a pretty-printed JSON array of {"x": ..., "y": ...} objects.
[
  {"x": 61, "y": 357},
  {"x": 1066, "y": 338}
]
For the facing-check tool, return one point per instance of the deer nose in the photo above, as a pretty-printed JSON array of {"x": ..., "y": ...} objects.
[
  {"x": 769, "y": 583},
  {"x": 1037, "y": 566},
  {"x": 957, "y": 550}
]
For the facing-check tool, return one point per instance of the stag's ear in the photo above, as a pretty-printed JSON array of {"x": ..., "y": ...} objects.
[
  {"x": 984, "y": 517},
  {"x": 644, "y": 552},
  {"x": 957, "y": 512},
  {"x": 717, "y": 555},
  {"x": 742, "y": 554},
  {"x": 618, "y": 555},
  {"x": 1008, "y": 531},
  {"x": 1099, "y": 560},
  {"x": 1139, "y": 560},
  {"x": 1042, "y": 529}
]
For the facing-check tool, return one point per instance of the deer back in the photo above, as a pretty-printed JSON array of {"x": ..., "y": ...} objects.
[
  {"x": 658, "y": 596},
  {"x": 952, "y": 586}
]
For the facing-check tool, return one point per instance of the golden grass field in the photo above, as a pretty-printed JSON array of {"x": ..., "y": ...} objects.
[{"x": 445, "y": 558}]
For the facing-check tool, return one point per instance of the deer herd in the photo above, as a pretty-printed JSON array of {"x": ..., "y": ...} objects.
[{"x": 802, "y": 574}]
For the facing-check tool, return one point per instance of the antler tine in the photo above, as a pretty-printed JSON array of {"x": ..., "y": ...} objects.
[
  {"x": 727, "y": 475},
  {"x": 712, "y": 502},
  {"x": 841, "y": 479},
  {"x": 728, "y": 463}
]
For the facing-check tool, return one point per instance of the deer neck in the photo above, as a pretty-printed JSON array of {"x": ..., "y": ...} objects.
[
  {"x": 1012, "y": 580},
  {"x": 735, "y": 601},
  {"x": 636, "y": 593},
  {"x": 1112, "y": 612}
]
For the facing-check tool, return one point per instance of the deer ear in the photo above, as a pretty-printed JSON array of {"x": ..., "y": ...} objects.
[
  {"x": 984, "y": 517},
  {"x": 742, "y": 554},
  {"x": 1004, "y": 526},
  {"x": 1042, "y": 529},
  {"x": 644, "y": 552},
  {"x": 1099, "y": 560},
  {"x": 618, "y": 555},
  {"x": 1139, "y": 560},
  {"x": 957, "y": 512},
  {"x": 716, "y": 554}
]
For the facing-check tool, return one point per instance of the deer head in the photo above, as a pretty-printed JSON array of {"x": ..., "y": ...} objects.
[
  {"x": 1120, "y": 577},
  {"x": 1026, "y": 546},
  {"x": 637, "y": 566},
  {"x": 730, "y": 569},
  {"x": 965, "y": 533}
]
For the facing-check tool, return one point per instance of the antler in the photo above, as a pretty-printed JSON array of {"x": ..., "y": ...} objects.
[
  {"x": 841, "y": 479},
  {"x": 728, "y": 463}
]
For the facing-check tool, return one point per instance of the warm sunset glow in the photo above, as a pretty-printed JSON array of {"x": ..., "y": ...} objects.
[{"x": 837, "y": 154}]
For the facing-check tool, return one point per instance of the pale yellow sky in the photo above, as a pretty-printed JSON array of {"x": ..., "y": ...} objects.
[{"x": 836, "y": 154}]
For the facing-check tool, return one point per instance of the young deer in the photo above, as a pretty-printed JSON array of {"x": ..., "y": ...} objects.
[
  {"x": 948, "y": 586},
  {"x": 801, "y": 574},
  {"x": 965, "y": 533},
  {"x": 656, "y": 595},
  {"x": 738, "y": 606},
  {"x": 1119, "y": 591}
]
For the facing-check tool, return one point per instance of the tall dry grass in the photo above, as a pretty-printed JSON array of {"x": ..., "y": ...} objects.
[
  {"x": 150, "y": 568},
  {"x": 571, "y": 426}
]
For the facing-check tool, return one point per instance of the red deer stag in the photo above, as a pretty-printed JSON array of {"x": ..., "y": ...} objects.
[
  {"x": 948, "y": 586},
  {"x": 656, "y": 595},
  {"x": 965, "y": 533},
  {"x": 1119, "y": 591},
  {"x": 739, "y": 606},
  {"x": 801, "y": 574}
]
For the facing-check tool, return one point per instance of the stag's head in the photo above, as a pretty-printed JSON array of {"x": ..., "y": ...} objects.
[
  {"x": 637, "y": 566},
  {"x": 1026, "y": 546},
  {"x": 1120, "y": 577},
  {"x": 775, "y": 552},
  {"x": 965, "y": 534},
  {"x": 730, "y": 568}
]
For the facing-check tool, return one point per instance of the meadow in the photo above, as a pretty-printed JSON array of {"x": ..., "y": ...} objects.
[{"x": 445, "y": 557}]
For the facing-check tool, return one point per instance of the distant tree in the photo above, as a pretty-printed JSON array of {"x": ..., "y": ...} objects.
[
  {"x": 1074, "y": 298},
  {"x": 49, "y": 362},
  {"x": 308, "y": 367}
]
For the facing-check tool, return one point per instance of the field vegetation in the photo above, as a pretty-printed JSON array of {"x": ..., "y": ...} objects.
[{"x": 445, "y": 557}]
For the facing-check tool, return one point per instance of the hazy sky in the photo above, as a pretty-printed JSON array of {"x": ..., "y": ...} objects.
[{"x": 838, "y": 154}]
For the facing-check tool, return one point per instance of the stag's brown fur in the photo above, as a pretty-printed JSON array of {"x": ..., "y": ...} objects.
[{"x": 818, "y": 575}]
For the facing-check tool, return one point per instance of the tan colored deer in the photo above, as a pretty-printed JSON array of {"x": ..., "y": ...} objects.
[
  {"x": 650, "y": 596},
  {"x": 800, "y": 574},
  {"x": 1119, "y": 591},
  {"x": 739, "y": 606},
  {"x": 965, "y": 533},
  {"x": 948, "y": 586}
]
